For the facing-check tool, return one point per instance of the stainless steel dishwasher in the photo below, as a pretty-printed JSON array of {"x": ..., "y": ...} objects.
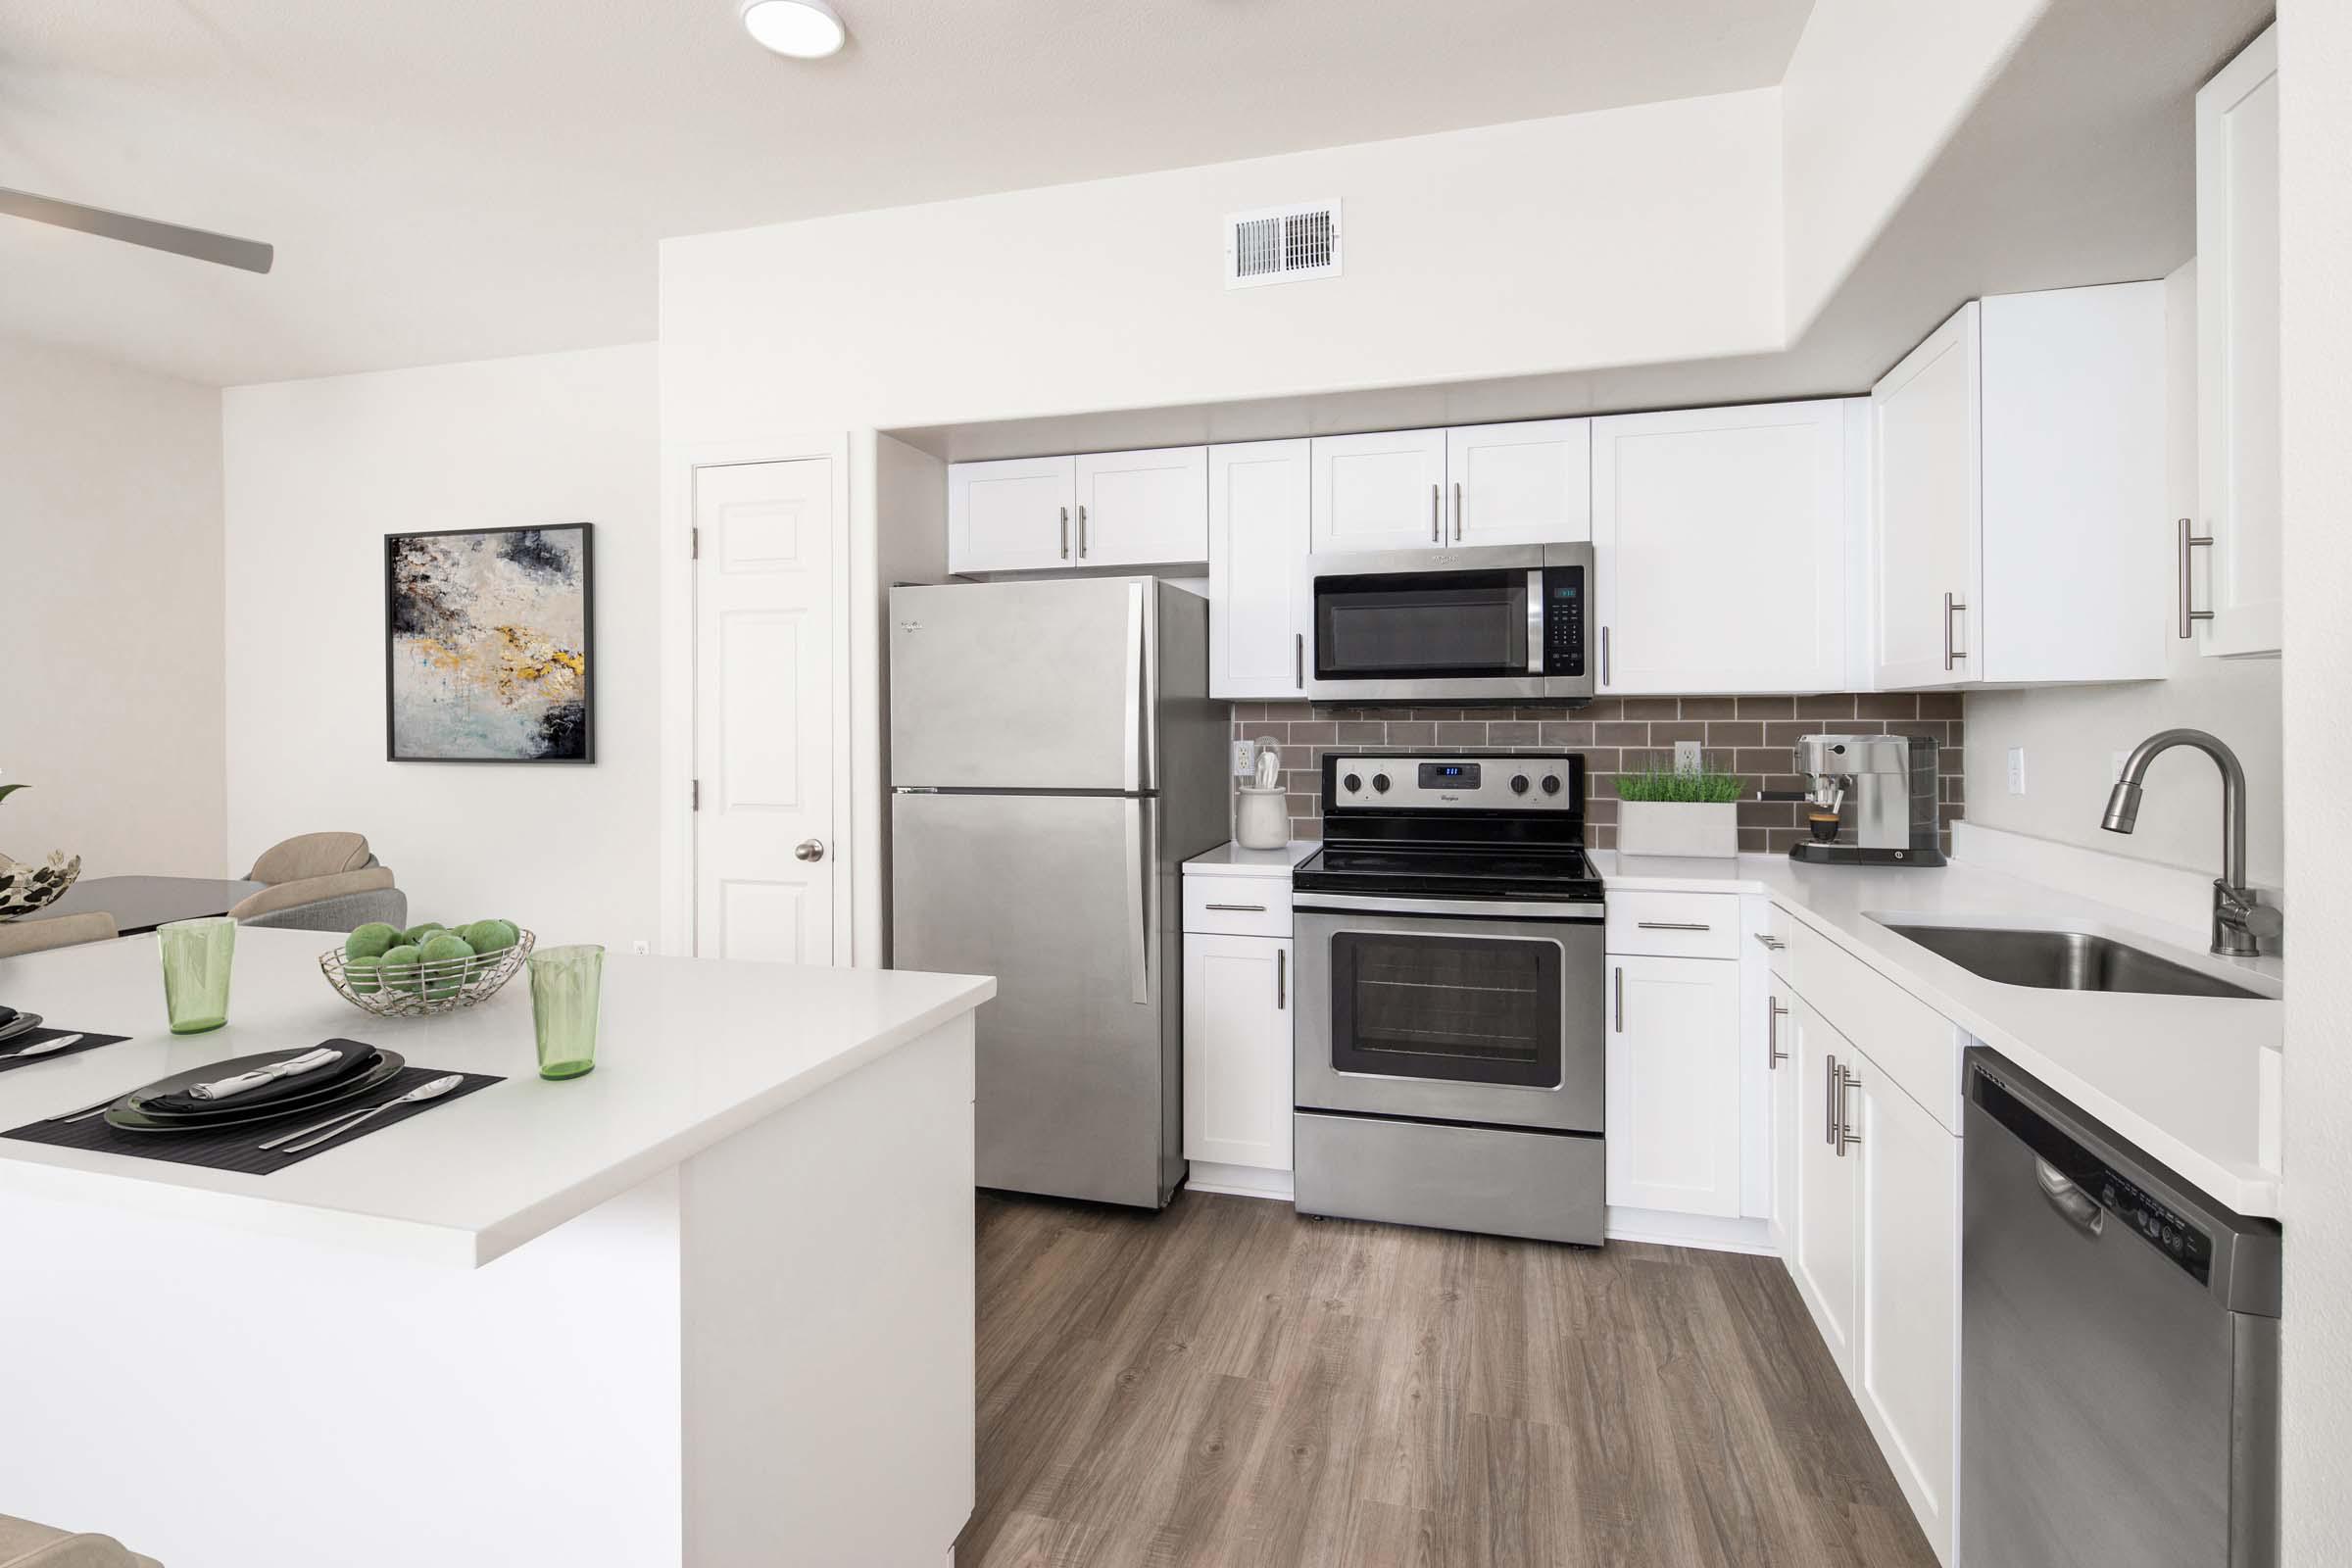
[{"x": 2118, "y": 1330}]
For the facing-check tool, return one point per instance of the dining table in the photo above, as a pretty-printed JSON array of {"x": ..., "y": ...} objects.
[{"x": 143, "y": 902}]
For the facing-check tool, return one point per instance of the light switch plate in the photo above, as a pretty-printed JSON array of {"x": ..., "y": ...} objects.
[
  {"x": 2017, "y": 770},
  {"x": 1244, "y": 753}
]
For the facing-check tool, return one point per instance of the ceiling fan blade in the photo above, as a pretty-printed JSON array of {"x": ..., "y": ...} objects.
[{"x": 203, "y": 244}]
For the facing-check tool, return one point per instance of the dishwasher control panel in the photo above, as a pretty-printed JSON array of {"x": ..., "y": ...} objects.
[{"x": 2164, "y": 1229}]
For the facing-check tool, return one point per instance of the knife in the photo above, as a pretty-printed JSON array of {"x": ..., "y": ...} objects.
[{"x": 308, "y": 1061}]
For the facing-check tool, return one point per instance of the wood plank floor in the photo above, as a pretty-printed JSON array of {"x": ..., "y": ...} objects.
[{"x": 1227, "y": 1383}]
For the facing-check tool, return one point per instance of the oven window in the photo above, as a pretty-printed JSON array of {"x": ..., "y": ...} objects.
[
  {"x": 1473, "y": 1009},
  {"x": 1414, "y": 625}
]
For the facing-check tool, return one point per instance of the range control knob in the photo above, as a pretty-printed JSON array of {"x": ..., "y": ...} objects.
[
  {"x": 1551, "y": 784},
  {"x": 1518, "y": 783},
  {"x": 1352, "y": 783},
  {"x": 1380, "y": 782}
]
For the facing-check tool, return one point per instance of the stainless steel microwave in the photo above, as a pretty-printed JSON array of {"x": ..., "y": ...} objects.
[{"x": 1496, "y": 623}]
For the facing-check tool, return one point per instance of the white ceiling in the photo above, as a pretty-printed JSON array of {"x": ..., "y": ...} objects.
[{"x": 456, "y": 180}]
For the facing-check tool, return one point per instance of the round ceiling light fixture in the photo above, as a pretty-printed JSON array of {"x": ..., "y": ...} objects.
[{"x": 805, "y": 29}]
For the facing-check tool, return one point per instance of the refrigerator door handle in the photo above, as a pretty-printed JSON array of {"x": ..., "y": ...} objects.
[
  {"x": 1141, "y": 855},
  {"x": 1133, "y": 761}
]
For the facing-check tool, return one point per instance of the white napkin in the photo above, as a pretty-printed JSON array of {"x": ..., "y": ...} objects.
[{"x": 308, "y": 1061}]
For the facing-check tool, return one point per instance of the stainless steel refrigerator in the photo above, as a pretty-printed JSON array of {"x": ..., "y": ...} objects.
[{"x": 1054, "y": 758}]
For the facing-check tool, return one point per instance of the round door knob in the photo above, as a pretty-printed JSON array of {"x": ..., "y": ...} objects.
[
  {"x": 1380, "y": 782},
  {"x": 1551, "y": 784},
  {"x": 1518, "y": 783},
  {"x": 809, "y": 850},
  {"x": 1352, "y": 783}
]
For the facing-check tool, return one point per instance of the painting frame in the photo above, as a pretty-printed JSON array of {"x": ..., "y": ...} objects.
[{"x": 587, "y": 756}]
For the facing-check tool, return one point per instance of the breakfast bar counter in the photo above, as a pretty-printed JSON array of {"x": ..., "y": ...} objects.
[{"x": 710, "y": 1303}]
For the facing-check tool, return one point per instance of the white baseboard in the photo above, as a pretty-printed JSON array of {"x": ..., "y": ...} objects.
[
  {"x": 1239, "y": 1181},
  {"x": 1712, "y": 1232}
]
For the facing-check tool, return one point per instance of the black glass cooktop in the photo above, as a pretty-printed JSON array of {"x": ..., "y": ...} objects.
[{"x": 1439, "y": 871}]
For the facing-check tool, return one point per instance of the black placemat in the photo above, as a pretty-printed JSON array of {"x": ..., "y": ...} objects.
[
  {"x": 34, "y": 1037},
  {"x": 234, "y": 1147}
]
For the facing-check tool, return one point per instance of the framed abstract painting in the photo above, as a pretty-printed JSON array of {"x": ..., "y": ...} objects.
[{"x": 487, "y": 654}]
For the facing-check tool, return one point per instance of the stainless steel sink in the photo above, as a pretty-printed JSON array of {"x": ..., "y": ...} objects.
[{"x": 2065, "y": 960}]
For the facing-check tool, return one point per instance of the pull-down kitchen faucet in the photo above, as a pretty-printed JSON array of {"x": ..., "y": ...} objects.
[{"x": 2240, "y": 920}]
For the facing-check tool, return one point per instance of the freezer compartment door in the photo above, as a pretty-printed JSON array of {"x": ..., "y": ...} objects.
[
  {"x": 1058, "y": 897},
  {"x": 1022, "y": 685}
]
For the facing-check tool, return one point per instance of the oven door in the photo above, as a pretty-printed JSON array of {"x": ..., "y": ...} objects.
[{"x": 1449, "y": 1015}]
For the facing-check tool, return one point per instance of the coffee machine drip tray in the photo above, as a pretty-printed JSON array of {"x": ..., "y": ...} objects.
[{"x": 1811, "y": 852}]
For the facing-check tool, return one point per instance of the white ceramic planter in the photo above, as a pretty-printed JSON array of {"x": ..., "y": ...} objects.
[{"x": 1673, "y": 827}]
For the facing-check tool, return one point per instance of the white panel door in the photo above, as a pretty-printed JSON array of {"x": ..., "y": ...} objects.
[
  {"x": 1719, "y": 542},
  {"x": 764, "y": 850},
  {"x": 1907, "y": 1339},
  {"x": 1237, "y": 1051},
  {"x": 1821, "y": 1260},
  {"x": 1781, "y": 1041},
  {"x": 1140, "y": 509},
  {"x": 2238, "y": 348},
  {"x": 1526, "y": 483},
  {"x": 1258, "y": 532},
  {"x": 1928, "y": 474},
  {"x": 1011, "y": 515},
  {"x": 1380, "y": 492},
  {"x": 1674, "y": 1084}
]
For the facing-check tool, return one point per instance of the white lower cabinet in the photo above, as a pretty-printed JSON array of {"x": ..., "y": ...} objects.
[
  {"x": 1781, "y": 1052},
  {"x": 1672, "y": 1067},
  {"x": 1821, "y": 1252},
  {"x": 1237, "y": 1051}
]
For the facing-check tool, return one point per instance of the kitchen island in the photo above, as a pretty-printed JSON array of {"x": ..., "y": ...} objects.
[{"x": 712, "y": 1304}]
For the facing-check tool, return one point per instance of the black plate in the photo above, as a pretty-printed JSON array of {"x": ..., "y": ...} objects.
[
  {"x": 24, "y": 1024},
  {"x": 128, "y": 1112}
]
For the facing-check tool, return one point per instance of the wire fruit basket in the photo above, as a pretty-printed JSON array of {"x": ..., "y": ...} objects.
[{"x": 424, "y": 990}]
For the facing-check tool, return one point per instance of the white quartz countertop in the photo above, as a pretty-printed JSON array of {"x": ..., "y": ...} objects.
[
  {"x": 1231, "y": 860},
  {"x": 2193, "y": 1080},
  {"x": 689, "y": 1051}
]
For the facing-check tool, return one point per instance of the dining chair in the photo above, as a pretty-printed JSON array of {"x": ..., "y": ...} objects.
[
  {"x": 18, "y": 937},
  {"x": 310, "y": 854},
  {"x": 25, "y": 1544},
  {"x": 344, "y": 900}
]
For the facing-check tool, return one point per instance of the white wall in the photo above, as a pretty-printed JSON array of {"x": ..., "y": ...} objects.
[
  {"x": 2072, "y": 733},
  {"x": 316, "y": 473},
  {"x": 110, "y": 554},
  {"x": 2315, "y": 76}
]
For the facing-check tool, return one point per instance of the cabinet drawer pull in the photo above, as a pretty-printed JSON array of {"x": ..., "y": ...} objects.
[
  {"x": 1840, "y": 1083},
  {"x": 1952, "y": 653},
  {"x": 1082, "y": 530},
  {"x": 1065, "y": 533},
  {"x": 1300, "y": 657},
  {"x": 2190, "y": 615},
  {"x": 1436, "y": 525},
  {"x": 1282, "y": 960},
  {"x": 1774, "y": 1012},
  {"x": 1772, "y": 944},
  {"x": 1672, "y": 925},
  {"x": 1457, "y": 511},
  {"x": 1618, "y": 988},
  {"x": 1241, "y": 908},
  {"x": 1604, "y": 656},
  {"x": 1828, "y": 1104}
]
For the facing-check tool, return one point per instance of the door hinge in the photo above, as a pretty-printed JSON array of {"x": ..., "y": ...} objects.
[
  {"x": 694, "y": 544},
  {"x": 695, "y": 792}
]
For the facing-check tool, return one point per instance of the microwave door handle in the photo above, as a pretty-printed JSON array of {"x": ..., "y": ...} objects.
[{"x": 1535, "y": 620}]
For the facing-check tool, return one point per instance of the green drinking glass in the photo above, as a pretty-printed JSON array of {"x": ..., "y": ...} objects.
[
  {"x": 197, "y": 957},
  {"x": 565, "y": 983}
]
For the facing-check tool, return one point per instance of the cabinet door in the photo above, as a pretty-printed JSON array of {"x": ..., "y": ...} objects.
[
  {"x": 2238, "y": 348},
  {"x": 1237, "y": 1051},
  {"x": 1781, "y": 1052},
  {"x": 1822, "y": 1259},
  {"x": 1259, "y": 529},
  {"x": 1380, "y": 492},
  {"x": 1674, "y": 1084},
  {"x": 1907, "y": 1338},
  {"x": 1928, "y": 474},
  {"x": 1719, "y": 543},
  {"x": 1138, "y": 509},
  {"x": 1012, "y": 516},
  {"x": 1527, "y": 483}
]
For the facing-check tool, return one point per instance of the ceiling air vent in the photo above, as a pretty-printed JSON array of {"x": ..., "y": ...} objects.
[{"x": 1282, "y": 245}]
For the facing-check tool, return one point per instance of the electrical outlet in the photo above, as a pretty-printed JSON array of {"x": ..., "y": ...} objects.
[
  {"x": 1245, "y": 753},
  {"x": 2017, "y": 770},
  {"x": 641, "y": 948},
  {"x": 1685, "y": 756}
]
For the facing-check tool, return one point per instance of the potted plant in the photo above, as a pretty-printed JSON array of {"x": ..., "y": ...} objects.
[{"x": 1689, "y": 810}]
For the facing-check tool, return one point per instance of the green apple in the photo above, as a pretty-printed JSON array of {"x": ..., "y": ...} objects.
[
  {"x": 398, "y": 969},
  {"x": 414, "y": 935},
  {"x": 445, "y": 948}
]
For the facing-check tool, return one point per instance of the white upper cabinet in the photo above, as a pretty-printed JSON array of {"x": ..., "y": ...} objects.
[
  {"x": 1721, "y": 541},
  {"x": 1258, "y": 532},
  {"x": 1140, "y": 509},
  {"x": 2017, "y": 529},
  {"x": 1673, "y": 1085},
  {"x": 1380, "y": 492},
  {"x": 2237, "y": 353},
  {"x": 1528, "y": 483},
  {"x": 1012, "y": 516}
]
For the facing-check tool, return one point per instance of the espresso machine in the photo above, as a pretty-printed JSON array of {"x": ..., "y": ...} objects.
[{"x": 1888, "y": 782}]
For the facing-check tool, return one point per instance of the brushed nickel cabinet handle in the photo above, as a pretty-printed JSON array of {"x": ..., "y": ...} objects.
[
  {"x": 1065, "y": 533},
  {"x": 1298, "y": 657},
  {"x": 1829, "y": 1106},
  {"x": 1082, "y": 530},
  {"x": 1241, "y": 908},
  {"x": 1772, "y": 944},
  {"x": 1436, "y": 525},
  {"x": 2189, "y": 615},
  {"x": 1774, "y": 1012},
  {"x": 1847, "y": 1138},
  {"x": 1457, "y": 511},
  {"x": 1604, "y": 656},
  {"x": 1618, "y": 987},
  {"x": 1952, "y": 655},
  {"x": 1672, "y": 925},
  {"x": 1281, "y": 959}
]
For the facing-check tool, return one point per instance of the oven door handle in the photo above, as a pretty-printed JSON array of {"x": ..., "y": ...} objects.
[{"x": 1312, "y": 902}]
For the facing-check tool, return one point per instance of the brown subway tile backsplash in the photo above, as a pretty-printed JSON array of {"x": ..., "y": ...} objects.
[{"x": 1750, "y": 735}]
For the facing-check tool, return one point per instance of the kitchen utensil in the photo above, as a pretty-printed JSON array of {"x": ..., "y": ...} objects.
[
  {"x": 24, "y": 1024},
  {"x": 132, "y": 1112},
  {"x": 43, "y": 1049},
  {"x": 432, "y": 1090},
  {"x": 235, "y": 1084}
]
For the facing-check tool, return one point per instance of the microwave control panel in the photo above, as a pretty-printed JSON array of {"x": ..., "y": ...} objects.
[{"x": 1565, "y": 593}]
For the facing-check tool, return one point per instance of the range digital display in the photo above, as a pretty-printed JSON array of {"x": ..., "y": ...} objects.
[{"x": 1449, "y": 775}]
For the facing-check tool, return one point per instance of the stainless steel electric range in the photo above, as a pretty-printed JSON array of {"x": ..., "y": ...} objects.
[{"x": 1448, "y": 1040}]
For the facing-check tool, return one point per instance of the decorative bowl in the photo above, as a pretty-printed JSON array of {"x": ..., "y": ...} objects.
[
  {"x": 26, "y": 887},
  {"x": 441, "y": 987}
]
